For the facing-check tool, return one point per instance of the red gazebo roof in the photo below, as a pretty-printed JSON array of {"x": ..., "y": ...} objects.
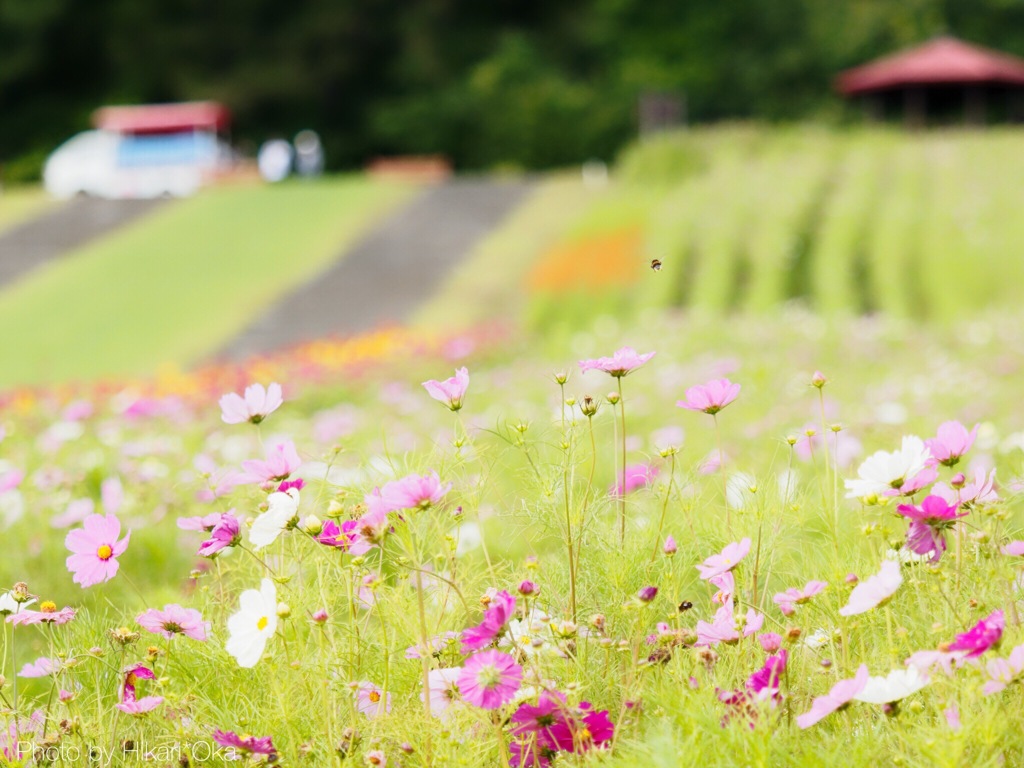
[
  {"x": 945, "y": 60},
  {"x": 163, "y": 118}
]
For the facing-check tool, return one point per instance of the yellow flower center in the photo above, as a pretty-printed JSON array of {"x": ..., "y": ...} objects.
[
  {"x": 48, "y": 606},
  {"x": 262, "y": 623},
  {"x": 104, "y": 552},
  {"x": 374, "y": 696}
]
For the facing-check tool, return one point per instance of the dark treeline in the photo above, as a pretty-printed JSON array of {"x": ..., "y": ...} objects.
[{"x": 534, "y": 83}]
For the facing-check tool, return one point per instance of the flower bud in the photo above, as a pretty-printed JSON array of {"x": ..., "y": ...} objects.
[
  {"x": 670, "y": 547},
  {"x": 588, "y": 406},
  {"x": 320, "y": 616},
  {"x": 613, "y": 398},
  {"x": 312, "y": 525},
  {"x": 528, "y": 588},
  {"x": 647, "y": 594},
  {"x": 561, "y": 377},
  {"x": 818, "y": 380},
  {"x": 958, "y": 480},
  {"x": 123, "y": 636},
  {"x": 20, "y": 592},
  {"x": 283, "y": 610}
]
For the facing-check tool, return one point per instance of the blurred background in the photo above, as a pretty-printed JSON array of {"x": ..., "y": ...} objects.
[{"x": 189, "y": 183}]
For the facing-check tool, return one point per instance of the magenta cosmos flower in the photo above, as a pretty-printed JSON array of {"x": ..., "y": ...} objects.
[
  {"x": 225, "y": 533},
  {"x": 47, "y": 614},
  {"x": 875, "y": 590},
  {"x": 710, "y": 398},
  {"x": 500, "y": 610},
  {"x": 622, "y": 363},
  {"x": 489, "y": 679},
  {"x": 728, "y": 559},
  {"x": 254, "y": 407},
  {"x": 928, "y": 524},
  {"x": 982, "y": 636},
  {"x": 842, "y": 693},
  {"x": 247, "y": 745},
  {"x": 131, "y": 676},
  {"x": 792, "y": 597},
  {"x": 450, "y": 391},
  {"x": 952, "y": 442},
  {"x": 637, "y": 476},
  {"x": 95, "y": 549},
  {"x": 175, "y": 620}
]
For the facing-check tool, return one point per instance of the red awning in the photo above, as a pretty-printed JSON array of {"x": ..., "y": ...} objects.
[
  {"x": 944, "y": 60},
  {"x": 163, "y": 118}
]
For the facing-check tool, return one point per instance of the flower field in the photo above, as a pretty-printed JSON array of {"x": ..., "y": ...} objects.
[{"x": 785, "y": 541}]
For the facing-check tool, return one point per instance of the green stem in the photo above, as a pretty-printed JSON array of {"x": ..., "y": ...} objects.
[{"x": 622, "y": 494}]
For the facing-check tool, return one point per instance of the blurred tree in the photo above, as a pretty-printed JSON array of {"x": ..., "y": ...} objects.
[{"x": 533, "y": 83}]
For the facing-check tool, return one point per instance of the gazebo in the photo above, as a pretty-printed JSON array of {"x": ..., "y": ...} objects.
[{"x": 940, "y": 80}]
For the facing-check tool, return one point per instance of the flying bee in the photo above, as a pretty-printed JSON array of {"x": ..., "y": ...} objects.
[
  {"x": 656, "y": 265},
  {"x": 685, "y": 606}
]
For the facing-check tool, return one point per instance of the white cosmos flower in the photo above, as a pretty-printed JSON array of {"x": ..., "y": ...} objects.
[
  {"x": 255, "y": 622},
  {"x": 9, "y": 605},
  {"x": 897, "y": 685},
  {"x": 883, "y": 471},
  {"x": 282, "y": 509}
]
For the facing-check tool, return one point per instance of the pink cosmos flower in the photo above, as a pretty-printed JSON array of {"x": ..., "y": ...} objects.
[
  {"x": 875, "y": 590},
  {"x": 1014, "y": 548},
  {"x": 710, "y": 398},
  {"x": 443, "y": 686},
  {"x": 95, "y": 549},
  {"x": 175, "y": 620},
  {"x": 723, "y": 629},
  {"x": 622, "y": 363},
  {"x": 371, "y": 528},
  {"x": 726, "y": 584},
  {"x": 282, "y": 460},
  {"x": 112, "y": 495},
  {"x": 48, "y": 614},
  {"x": 225, "y": 533},
  {"x": 435, "y": 645},
  {"x": 200, "y": 523},
  {"x": 952, "y": 442},
  {"x": 450, "y": 391},
  {"x": 139, "y": 707},
  {"x": 925, "y": 661},
  {"x": 41, "y": 667},
  {"x": 913, "y": 484},
  {"x": 257, "y": 404},
  {"x": 17, "y": 738},
  {"x": 371, "y": 700},
  {"x": 928, "y": 524},
  {"x": 952, "y": 715},
  {"x": 980, "y": 490},
  {"x": 792, "y": 597},
  {"x": 770, "y": 641},
  {"x": 415, "y": 492},
  {"x": 1002, "y": 672},
  {"x": 637, "y": 476},
  {"x": 11, "y": 479},
  {"x": 982, "y": 636},
  {"x": 247, "y": 745},
  {"x": 377, "y": 758},
  {"x": 842, "y": 694},
  {"x": 490, "y": 679},
  {"x": 497, "y": 615},
  {"x": 728, "y": 559}
]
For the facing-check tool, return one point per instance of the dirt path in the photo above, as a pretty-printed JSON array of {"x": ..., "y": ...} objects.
[
  {"x": 386, "y": 275},
  {"x": 62, "y": 229}
]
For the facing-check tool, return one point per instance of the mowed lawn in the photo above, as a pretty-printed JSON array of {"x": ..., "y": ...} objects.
[{"x": 176, "y": 285}]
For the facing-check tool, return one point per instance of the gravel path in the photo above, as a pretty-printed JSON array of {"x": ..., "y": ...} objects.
[
  {"x": 68, "y": 226},
  {"x": 385, "y": 276}
]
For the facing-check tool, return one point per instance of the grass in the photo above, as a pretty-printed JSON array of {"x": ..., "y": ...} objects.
[
  {"x": 520, "y": 468},
  {"x": 173, "y": 287},
  {"x": 21, "y": 203}
]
